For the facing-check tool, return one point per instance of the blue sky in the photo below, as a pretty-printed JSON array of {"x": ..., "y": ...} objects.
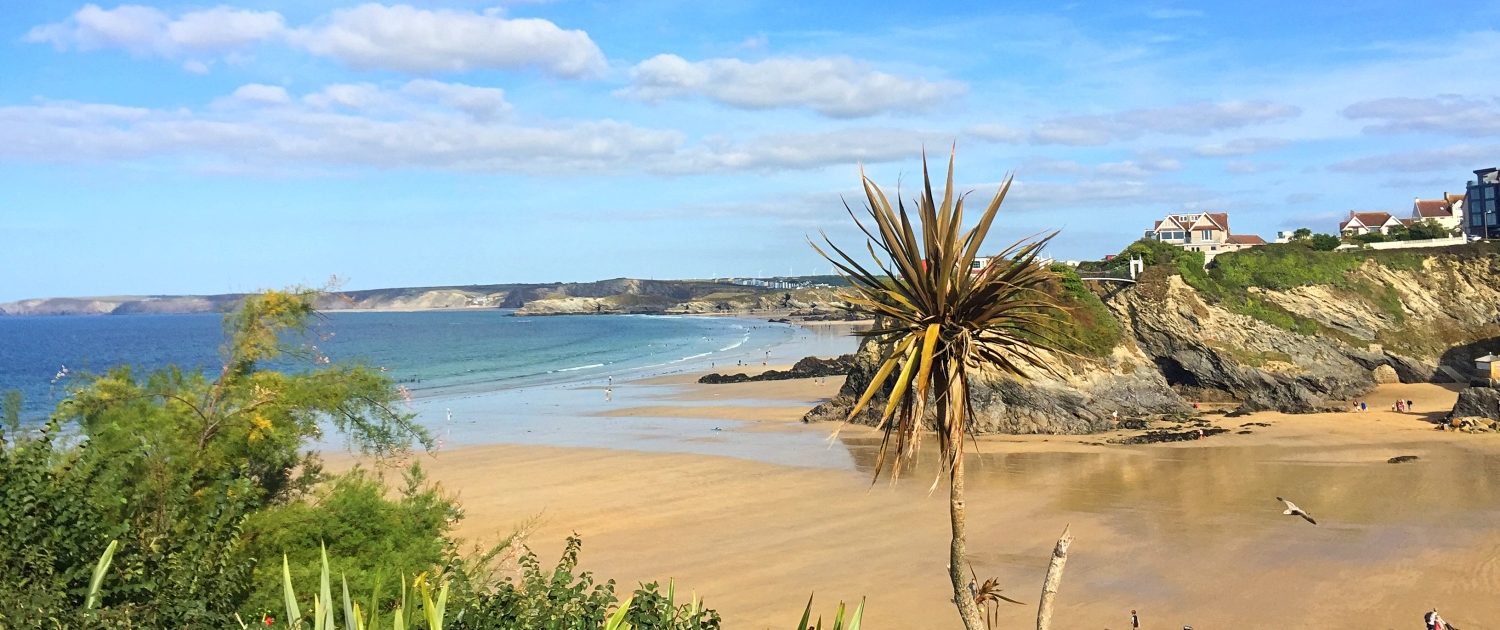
[{"x": 205, "y": 148}]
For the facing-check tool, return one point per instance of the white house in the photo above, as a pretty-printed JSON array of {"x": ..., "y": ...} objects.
[
  {"x": 1206, "y": 232},
  {"x": 1446, "y": 212},
  {"x": 1367, "y": 222}
]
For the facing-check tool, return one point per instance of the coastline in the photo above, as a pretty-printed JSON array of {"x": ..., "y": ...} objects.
[{"x": 723, "y": 489}]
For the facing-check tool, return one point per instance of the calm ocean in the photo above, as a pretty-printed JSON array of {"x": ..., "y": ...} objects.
[{"x": 436, "y": 354}]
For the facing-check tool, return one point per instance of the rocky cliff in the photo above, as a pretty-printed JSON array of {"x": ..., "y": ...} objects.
[
  {"x": 1269, "y": 328},
  {"x": 623, "y": 295}
]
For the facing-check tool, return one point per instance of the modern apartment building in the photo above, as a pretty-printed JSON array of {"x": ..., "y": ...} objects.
[{"x": 1480, "y": 216}]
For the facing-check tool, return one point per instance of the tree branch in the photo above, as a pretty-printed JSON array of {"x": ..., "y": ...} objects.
[{"x": 1053, "y": 579}]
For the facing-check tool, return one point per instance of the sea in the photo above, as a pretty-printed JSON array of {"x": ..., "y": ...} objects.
[{"x": 473, "y": 375}]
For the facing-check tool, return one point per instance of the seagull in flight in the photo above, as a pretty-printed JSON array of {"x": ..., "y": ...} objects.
[{"x": 1293, "y": 510}]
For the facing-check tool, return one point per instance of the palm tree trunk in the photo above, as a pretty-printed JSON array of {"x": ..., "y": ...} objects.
[
  {"x": 952, "y": 405},
  {"x": 968, "y": 609}
]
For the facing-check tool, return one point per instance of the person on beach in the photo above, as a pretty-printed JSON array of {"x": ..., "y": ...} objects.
[
  {"x": 1362, "y": 406},
  {"x": 609, "y": 393},
  {"x": 1434, "y": 621},
  {"x": 1408, "y": 406},
  {"x": 1135, "y": 622}
]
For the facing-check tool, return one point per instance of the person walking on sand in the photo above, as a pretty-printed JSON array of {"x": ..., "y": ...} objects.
[
  {"x": 1135, "y": 622},
  {"x": 1434, "y": 621},
  {"x": 1362, "y": 406},
  {"x": 1408, "y": 406},
  {"x": 609, "y": 393}
]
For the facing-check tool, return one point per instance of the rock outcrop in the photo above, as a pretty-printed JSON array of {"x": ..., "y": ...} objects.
[
  {"x": 808, "y": 367},
  {"x": 1082, "y": 399},
  {"x": 1478, "y": 402},
  {"x": 1383, "y": 318}
]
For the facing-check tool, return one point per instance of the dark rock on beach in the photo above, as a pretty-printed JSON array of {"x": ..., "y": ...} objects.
[
  {"x": 1154, "y": 437},
  {"x": 810, "y": 367},
  {"x": 1401, "y": 459}
]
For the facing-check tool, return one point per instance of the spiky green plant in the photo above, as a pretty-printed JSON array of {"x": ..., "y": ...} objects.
[
  {"x": 938, "y": 321},
  {"x": 840, "y": 621}
]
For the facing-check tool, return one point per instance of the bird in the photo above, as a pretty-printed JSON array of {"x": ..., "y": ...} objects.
[{"x": 1293, "y": 510}]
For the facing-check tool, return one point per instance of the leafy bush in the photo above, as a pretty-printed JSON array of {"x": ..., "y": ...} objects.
[
  {"x": 369, "y": 537},
  {"x": 1324, "y": 242},
  {"x": 560, "y": 599}
]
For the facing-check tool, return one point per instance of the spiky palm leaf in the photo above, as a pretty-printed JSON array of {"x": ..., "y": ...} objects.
[{"x": 937, "y": 318}]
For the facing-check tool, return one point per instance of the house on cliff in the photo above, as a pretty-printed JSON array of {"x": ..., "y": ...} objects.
[
  {"x": 1367, "y": 223},
  {"x": 1206, "y": 232},
  {"x": 1446, "y": 212}
]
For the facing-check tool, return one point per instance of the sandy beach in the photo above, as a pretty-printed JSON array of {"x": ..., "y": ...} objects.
[{"x": 1186, "y": 533}]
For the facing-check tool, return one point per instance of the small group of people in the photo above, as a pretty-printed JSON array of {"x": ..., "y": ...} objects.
[
  {"x": 1402, "y": 406},
  {"x": 1435, "y": 621},
  {"x": 1358, "y": 406}
]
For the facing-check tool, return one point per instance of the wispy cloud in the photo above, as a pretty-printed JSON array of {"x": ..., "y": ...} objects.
[
  {"x": 147, "y": 31},
  {"x": 1190, "y": 119},
  {"x": 409, "y": 39},
  {"x": 1452, "y": 158},
  {"x": 834, "y": 86},
  {"x": 367, "y": 37},
  {"x": 1238, "y": 147},
  {"x": 1451, "y": 114}
]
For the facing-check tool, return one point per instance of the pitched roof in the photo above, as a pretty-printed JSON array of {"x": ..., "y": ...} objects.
[
  {"x": 1221, "y": 218},
  {"x": 1431, "y": 208},
  {"x": 1453, "y": 197},
  {"x": 1246, "y": 239},
  {"x": 1367, "y": 219}
]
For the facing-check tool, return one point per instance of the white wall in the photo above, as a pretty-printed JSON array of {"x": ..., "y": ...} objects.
[{"x": 1436, "y": 242}]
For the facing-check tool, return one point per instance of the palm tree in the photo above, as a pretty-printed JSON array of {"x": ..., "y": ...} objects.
[{"x": 937, "y": 322}]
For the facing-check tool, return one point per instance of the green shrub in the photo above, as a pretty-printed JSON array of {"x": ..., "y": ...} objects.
[
  {"x": 1090, "y": 329},
  {"x": 368, "y": 537}
]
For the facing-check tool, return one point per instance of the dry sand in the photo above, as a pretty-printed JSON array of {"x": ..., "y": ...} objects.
[{"x": 1186, "y": 533}]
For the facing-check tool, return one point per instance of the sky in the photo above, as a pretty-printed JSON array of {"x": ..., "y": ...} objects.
[{"x": 175, "y": 148}]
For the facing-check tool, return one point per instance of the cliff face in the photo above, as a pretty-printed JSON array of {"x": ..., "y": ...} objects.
[
  {"x": 1302, "y": 348},
  {"x": 623, "y": 295},
  {"x": 661, "y": 296}
]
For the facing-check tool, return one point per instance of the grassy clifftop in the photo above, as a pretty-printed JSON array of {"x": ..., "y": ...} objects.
[{"x": 1411, "y": 301}]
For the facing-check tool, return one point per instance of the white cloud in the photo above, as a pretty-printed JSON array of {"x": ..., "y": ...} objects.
[
  {"x": 1189, "y": 119},
  {"x": 774, "y": 152},
  {"x": 222, "y": 28},
  {"x": 481, "y": 103},
  {"x": 1238, "y": 147},
  {"x": 399, "y": 128},
  {"x": 347, "y": 95},
  {"x": 408, "y": 39},
  {"x": 1454, "y": 158},
  {"x": 1451, "y": 114},
  {"x": 834, "y": 86},
  {"x": 147, "y": 31},
  {"x": 261, "y": 94}
]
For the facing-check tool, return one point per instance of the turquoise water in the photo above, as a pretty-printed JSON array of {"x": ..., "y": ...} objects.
[{"x": 437, "y": 355}]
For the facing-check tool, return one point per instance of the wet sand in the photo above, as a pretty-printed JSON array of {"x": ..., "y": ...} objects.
[{"x": 1186, "y": 533}]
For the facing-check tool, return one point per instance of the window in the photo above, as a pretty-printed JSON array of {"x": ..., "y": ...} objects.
[
  {"x": 1475, "y": 218},
  {"x": 1207, "y": 235},
  {"x": 1489, "y": 192}
]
